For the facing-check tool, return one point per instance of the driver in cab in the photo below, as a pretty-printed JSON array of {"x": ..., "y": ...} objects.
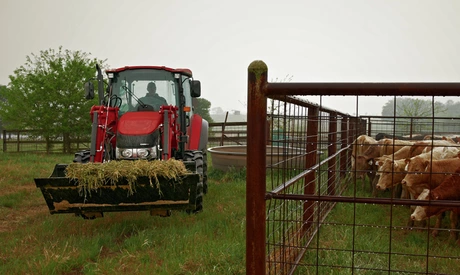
[{"x": 152, "y": 98}]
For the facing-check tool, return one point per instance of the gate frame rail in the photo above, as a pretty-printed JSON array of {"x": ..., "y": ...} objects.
[{"x": 259, "y": 90}]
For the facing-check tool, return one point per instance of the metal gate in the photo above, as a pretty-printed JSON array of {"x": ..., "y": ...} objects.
[{"x": 307, "y": 211}]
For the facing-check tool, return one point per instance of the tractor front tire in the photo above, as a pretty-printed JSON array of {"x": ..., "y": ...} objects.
[{"x": 197, "y": 156}]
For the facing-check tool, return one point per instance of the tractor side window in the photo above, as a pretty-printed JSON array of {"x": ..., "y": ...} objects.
[
  {"x": 123, "y": 95},
  {"x": 187, "y": 94}
]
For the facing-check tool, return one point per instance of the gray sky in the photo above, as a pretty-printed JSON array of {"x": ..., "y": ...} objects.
[{"x": 312, "y": 41}]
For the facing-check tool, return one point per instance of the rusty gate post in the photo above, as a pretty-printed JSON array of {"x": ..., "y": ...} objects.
[
  {"x": 311, "y": 157},
  {"x": 255, "y": 163}
]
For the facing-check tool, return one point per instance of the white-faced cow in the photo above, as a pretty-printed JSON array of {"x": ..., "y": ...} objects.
[{"x": 449, "y": 189}]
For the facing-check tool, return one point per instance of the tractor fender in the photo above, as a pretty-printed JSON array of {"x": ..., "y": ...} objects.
[{"x": 198, "y": 133}]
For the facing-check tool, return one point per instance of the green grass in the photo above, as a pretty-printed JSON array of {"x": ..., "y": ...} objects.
[
  {"x": 370, "y": 239},
  {"x": 211, "y": 242},
  {"x": 35, "y": 242}
]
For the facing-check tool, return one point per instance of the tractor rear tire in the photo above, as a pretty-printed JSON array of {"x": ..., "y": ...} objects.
[
  {"x": 205, "y": 172},
  {"x": 197, "y": 156}
]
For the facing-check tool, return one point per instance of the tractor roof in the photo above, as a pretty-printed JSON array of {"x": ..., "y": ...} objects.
[{"x": 187, "y": 72}]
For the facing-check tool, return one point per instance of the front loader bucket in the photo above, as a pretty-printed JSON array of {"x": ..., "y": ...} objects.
[{"x": 63, "y": 195}]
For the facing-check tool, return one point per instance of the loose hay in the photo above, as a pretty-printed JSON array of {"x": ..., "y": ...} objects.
[{"x": 91, "y": 176}]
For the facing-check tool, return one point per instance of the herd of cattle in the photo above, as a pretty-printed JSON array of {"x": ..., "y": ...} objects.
[{"x": 426, "y": 169}]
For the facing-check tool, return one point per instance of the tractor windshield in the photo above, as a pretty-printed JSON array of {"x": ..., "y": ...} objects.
[{"x": 144, "y": 86}]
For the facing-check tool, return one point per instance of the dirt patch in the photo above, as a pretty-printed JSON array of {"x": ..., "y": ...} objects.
[
  {"x": 8, "y": 190},
  {"x": 11, "y": 218}
]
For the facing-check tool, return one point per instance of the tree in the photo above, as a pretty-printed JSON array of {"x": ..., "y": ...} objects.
[
  {"x": 411, "y": 107},
  {"x": 2, "y": 99},
  {"x": 46, "y": 94},
  {"x": 202, "y": 106}
]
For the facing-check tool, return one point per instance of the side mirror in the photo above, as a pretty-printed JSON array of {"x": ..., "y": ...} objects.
[
  {"x": 196, "y": 88},
  {"x": 89, "y": 90}
]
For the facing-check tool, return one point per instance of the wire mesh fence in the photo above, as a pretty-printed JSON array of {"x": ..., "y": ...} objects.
[{"x": 314, "y": 212}]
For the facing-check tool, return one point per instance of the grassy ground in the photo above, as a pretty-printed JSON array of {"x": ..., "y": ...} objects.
[
  {"x": 368, "y": 238},
  {"x": 372, "y": 239},
  {"x": 35, "y": 242}
]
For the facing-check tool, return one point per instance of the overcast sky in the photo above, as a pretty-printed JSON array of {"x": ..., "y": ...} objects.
[{"x": 311, "y": 41}]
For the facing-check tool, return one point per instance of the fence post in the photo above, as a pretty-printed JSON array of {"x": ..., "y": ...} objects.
[
  {"x": 18, "y": 140},
  {"x": 331, "y": 150},
  {"x": 344, "y": 141},
  {"x": 311, "y": 157},
  {"x": 4, "y": 140},
  {"x": 256, "y": 168}
]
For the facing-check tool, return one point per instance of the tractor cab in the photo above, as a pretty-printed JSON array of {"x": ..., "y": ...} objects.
[{"x": 131, "y": 88}]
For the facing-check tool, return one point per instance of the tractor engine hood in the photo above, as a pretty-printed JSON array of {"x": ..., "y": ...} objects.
[
  {"x": 138, "y": 129},
  {"x": 139, "y": 123}
]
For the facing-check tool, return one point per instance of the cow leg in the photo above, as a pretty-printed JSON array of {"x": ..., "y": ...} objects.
[
  {"x": 435, "y": 231},
  {"x": 374, "y": 186},
  {"x": 371, "y": 176},
  {"x": 397, "y": 191},
  {"x": 404, "y": 192}
]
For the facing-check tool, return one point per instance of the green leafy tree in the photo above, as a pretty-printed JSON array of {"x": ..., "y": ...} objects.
[
  {"x": 202, "y": 106},
  {"x": 2, "y": 91},
  {"x": 46, "y": 94},
  {"x": 415, "y": 109},
  {"x": 411, "y": 107}
]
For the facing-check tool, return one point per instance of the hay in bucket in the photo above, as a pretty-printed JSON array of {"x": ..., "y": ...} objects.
[{"x": 91, "y": 176}]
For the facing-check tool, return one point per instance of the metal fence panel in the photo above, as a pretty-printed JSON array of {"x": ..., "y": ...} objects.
[{"x": 308, "y": 212}]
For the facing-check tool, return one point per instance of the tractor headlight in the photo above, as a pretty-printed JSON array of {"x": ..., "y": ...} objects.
[
  {"x": 142, "y": 153},
  {"x": 137, "y": 153},
  {"x": 126, "y": 153}
]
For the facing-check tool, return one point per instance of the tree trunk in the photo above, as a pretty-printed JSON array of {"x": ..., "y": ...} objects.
[
  {"x": 67, "y": 143},
  {"x": 48, "y": 144}
]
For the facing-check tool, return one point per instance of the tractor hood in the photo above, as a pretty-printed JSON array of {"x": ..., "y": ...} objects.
[{"x": 139, "y": 123}]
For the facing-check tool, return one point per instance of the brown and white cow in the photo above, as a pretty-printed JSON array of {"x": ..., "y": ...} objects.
[
  {"x": 359, "y": 146},
  {"x": 390, "y": 172},
  {"x": 385, "y": 147},
  {"x": 381, "y": 148},
  {"x": 449, "y": 189},
  {"x": 424, "y": 173},
  {"x": 425, "y": 146}
]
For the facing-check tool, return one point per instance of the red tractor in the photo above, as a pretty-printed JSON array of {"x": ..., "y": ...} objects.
[{"x": 144, "y": 113}]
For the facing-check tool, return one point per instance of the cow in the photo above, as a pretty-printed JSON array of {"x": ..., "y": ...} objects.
[
  {"x": 360, "y": 145},
  {"x": 367, "y": 161},
  {"x": 390, "y": 172},
  {"x": 425, "y": 146},
  {"x": 449, "y": 189},
  {"x": 423, "y": 173}
]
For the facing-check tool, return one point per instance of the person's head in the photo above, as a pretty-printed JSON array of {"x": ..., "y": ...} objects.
[{"x": 151, "y": 88}]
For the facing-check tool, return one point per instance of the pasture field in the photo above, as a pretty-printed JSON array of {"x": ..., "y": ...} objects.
[
  {"x": 35, "y": 242},
  {"x": 370, "y": 238}
]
